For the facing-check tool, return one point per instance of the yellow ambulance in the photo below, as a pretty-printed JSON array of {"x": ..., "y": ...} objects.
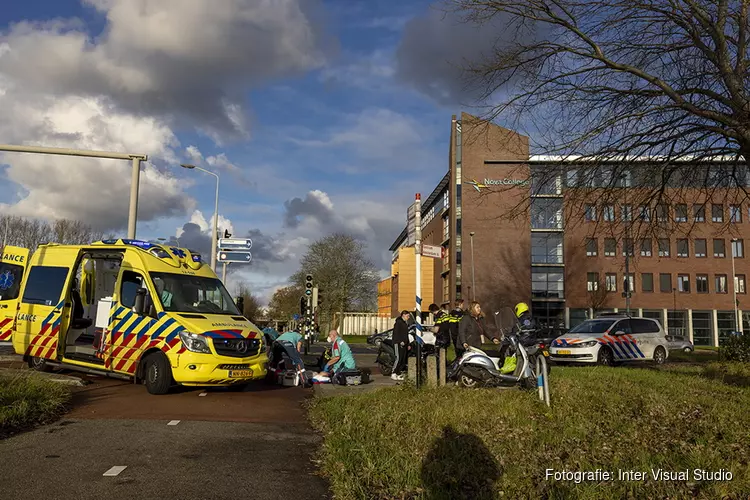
[
  {"x": 12, "y": 265},
  {"x": 136, "y": 310}
]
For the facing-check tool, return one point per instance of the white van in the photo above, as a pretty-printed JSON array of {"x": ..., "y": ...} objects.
[{"x": 610, "y": 340}]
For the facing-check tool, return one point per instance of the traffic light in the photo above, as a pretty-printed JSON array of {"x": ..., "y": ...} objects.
[
  {"x": 227, "y": 234},
  {"x": 309, "y": 285},
  {"x": 302, "y": 306}
]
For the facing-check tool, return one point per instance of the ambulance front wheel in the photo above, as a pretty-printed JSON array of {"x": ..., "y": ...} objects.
[
  {"x": 39, "y": 364},
  {"x": 157, "y": 374}
]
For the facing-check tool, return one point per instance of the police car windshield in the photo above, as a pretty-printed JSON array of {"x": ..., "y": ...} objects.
[
  {"x": 193, "y": 294},
  {"x": 594, "y": 326}
]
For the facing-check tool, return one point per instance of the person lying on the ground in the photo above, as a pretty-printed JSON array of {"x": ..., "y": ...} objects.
[
  {"x": 342, "y": 357},
  {"x": 291, "y": 343}
]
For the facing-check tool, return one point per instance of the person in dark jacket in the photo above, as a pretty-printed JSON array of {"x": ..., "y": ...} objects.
[
  {"x": 400, "y": 340},
  {"x": 441, "y": 327},
  {"x": 453, "y": 319},
  {"x": 472, "y": 327}
]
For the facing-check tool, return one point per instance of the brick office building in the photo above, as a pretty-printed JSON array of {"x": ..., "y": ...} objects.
[{"x": 567, "y": 270}]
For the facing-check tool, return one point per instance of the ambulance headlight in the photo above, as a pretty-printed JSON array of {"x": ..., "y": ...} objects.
[
  {"x": 590, "y": 343},
  {"x": 194, "y": 343}
]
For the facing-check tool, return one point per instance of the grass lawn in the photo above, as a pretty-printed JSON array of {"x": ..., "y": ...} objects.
[
  {"x": 457, "y": 443},
  {"x": 28, "y": 400}
]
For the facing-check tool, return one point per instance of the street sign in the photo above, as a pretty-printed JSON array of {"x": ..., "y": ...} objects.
[
  {"x": 296, "y": 317},
  {"x": 235, "y": 244},
  {"x": 432, "y": 251},
  {"x": 243, "y": 257}
]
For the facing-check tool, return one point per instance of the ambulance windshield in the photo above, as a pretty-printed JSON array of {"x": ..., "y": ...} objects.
[{"x": 193, "y": 294}]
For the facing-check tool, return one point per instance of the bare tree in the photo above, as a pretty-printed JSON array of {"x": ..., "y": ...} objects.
[
  {"x": 285, "y": 303},
  {"x": 251, "y": 307},
  {"x": 30, "y": 233},
  {"x": 346, "y": 278},
  {"x": 608, "y": 83},
  {"x": 597, "y": 294}
]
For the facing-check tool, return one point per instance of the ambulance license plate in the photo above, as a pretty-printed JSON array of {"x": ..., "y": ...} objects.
[
  {"x": 563, "y": 352},
  {"x": 240, "y": 373}
]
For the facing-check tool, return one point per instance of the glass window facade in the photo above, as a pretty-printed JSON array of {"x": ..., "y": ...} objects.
[
  {"x": 703, "y": 326},
  {"x": 546, "y": 248},
  {"x": 677, "y": 322},
  {"x": 547, "y": 213},
  {"x": 578, "y": 316},
  {"x": 547, "y": 283},
  {"x": 727, "y": 324}
]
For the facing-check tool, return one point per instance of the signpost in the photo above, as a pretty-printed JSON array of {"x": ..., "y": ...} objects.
[
  {"x": 411, "y": 224},
  {"x": 234, "y": 250},
  {"x": 432, "y": 251}
]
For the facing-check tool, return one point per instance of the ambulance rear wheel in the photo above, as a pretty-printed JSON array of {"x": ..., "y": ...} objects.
[
  {"x": 157, "y": 374},
  {"x": 39, "y": 364}
]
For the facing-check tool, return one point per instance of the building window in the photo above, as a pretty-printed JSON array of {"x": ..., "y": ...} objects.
[
  {"x": 546, "y": 213},
  {"x": 699, "y": 213},
  {"x": 735, "y": 213},
  {"x": 683, "y": 283},
  {"x": 665, "y": 283},
  {"x": 627, "y": 247},
  {"x": 627, "y": 212},
  {"x": 647, "y": 282},
  {"x": 609, "y": 213},
  {"x": 662, "y": 213},
  {"x": 446, "y": 289},
  {"x": 646, "y": 247},
  {"x": 547, "y": 283},
  {"x": 645, "y": 214},
  {"x": 446, "y": 228},
  {"x": 739, "y": 283},
  {"x": 663, "y": 247},
  {"x": 446, "y": 200},
  {"x": 446, "y": 258},
  {"x": 683, "y": 248},
  {"x": 592, "y": 245},
  {"x": 680, "y": 213},
  {"x": 610, "y": 247},
  {"x": 546, "y": 248},
  {"x": 703, "y": 326},
  {"x": 590, "y": 213},
  {"x": 719, "y": 248},
  {"x": 738, "y": 248},
  {"x": 700, "y": 248},
  {"x": 701, "y": 283},
  {"x": 544, "y": 183},
  {"x": 717, "y": 213},
  {"x": 611, "y": 282},
  {"x": 592, "y": 282},
  {"x": 720, "y": 283},
  {"x": 628, "y": 282}
]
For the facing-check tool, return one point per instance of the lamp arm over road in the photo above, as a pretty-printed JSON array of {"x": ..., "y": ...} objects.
[{"x": 135, "y": 177}]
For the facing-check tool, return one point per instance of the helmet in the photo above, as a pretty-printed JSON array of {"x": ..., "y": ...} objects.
[{"x": 521, "y": 308}]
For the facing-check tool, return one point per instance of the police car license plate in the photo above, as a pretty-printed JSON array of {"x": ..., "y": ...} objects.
[
  {"x": 546, "y": 354},
  {"x": 564, "y": 351},
  {"x": 240, "y": 373}
]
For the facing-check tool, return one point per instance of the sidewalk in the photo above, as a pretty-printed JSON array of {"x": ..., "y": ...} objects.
[{"x": 365, "y": 362}]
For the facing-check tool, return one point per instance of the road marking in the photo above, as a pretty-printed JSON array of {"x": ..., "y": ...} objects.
[
  {"x": 115, "y": 470},
  {"x": 203, "y": 394},
  {"x": 173, "y": 422}
]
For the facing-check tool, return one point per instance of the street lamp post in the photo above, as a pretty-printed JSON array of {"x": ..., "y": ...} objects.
[
  {"x": 473, "y": 286},
  {"x": 215, "y": 235},
  {"x": 734, "y": 289},
  {"x": 136, "y": 160}
]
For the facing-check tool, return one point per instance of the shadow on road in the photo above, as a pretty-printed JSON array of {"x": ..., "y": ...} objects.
[{"x": 459, "y": 466}]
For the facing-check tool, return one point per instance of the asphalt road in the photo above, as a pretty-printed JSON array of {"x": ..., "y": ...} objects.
[{"x": 234, "y": 445}]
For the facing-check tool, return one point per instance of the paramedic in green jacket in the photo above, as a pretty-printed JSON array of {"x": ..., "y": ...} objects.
[
  {"x": 341, "y": 356},
  {"x": 291, "y": 343}
]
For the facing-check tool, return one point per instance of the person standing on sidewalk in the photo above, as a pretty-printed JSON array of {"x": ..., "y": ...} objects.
[
  {"x": 453, "y": 320},
  {"x": 400, "y": 339},
  {"x": 472, "y": 327}
]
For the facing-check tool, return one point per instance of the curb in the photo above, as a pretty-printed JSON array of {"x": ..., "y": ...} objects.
[
  {"x": 11, "y": 357},
  {"x": 52, "y": 377}
]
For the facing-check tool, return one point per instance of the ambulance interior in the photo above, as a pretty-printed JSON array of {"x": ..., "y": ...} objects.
[{"x": 91, "y": 297}]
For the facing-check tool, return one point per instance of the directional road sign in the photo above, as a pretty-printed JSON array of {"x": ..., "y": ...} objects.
[
  {"x": 241, "y": 244},
  {"x": 243, "y": 257}
]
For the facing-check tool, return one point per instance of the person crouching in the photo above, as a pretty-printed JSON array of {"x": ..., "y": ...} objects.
[{"x": 341, "y": 356}]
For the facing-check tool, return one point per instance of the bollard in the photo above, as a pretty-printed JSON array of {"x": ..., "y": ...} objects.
[
  {"x": 432, "y": 371},
  {"x": 411, "y": 369},
  {"x": 442, "y": 367}
]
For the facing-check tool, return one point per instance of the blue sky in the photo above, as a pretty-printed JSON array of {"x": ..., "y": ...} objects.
[{"x": 318, "y": 116}]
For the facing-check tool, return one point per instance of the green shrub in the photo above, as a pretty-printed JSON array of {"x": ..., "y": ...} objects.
[
  {"x": 736, "y": 348},
  {"x": 28, "y": 400}
]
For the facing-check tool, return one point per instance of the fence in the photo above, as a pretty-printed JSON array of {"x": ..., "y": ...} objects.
[{"x": 362, "y": 323}]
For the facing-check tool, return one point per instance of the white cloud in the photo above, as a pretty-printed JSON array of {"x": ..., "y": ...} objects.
[
  {"x": 205, "y": 226},
  {"x": 170, "y": 58}
]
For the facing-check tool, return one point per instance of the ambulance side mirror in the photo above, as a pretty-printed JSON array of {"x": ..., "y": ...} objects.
[
  {"x": 143, "y": 304},
  {"x": 241, "y": 304}
]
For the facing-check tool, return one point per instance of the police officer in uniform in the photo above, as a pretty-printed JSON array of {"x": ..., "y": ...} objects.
[{"x": 453, "y": 319}]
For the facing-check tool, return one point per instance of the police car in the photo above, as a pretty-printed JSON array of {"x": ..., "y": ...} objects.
[{"x": 610, "y": 340}]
